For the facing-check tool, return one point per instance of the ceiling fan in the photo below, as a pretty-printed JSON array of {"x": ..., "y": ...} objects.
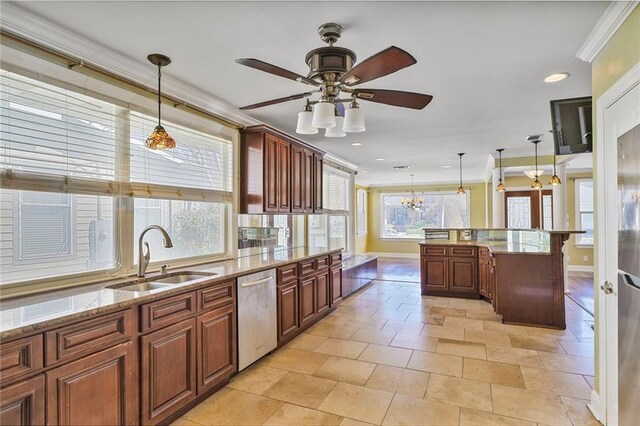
[{"x": 332, "y": 72}]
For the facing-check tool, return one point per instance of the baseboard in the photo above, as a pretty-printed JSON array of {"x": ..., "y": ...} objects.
[
  {"x": 387, "y": 254},
  {"x": 594, "y": 405},
  {"x": 579, "y": 268}
]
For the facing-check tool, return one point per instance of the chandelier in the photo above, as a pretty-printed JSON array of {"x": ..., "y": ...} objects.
[{"x": 414, "y": 202}]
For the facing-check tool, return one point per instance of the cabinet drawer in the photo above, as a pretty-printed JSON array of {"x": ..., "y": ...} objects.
[
  {"x": 322, "y": 262},
  {"x": 167, "y": 311},
  {"x": 287, "y": 273},
  {"x": 434, "y": 251},
  {"x": 336, "y": 258},
  {"x": 20, "y": 357},
  {"x": 307, "y": 267},
  {"x": 217, "y": 295},
  {"x": 88, "y": 336},
  {"x": 464, "y": 251}
]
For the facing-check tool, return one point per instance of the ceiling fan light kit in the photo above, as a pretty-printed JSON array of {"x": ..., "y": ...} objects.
[
  {"x": 354, "y": 119},
  {"x": 323, "y": 115},
  {"x": 338, "y": 130},
  {"x": 305, "y": 118}
]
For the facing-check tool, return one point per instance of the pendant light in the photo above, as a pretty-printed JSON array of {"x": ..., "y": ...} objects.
[
  {"x": 159, "y": 138},
  {"x": 555, "y": 180},
  {"x": 461, "y": 190},
  {"x": 414, "y": 202},
  {"x": 536, "y": 183},
  {"x": 324, "y": 115},
  {"x": 500, "y": 187},
  {"x": 354, "y": 118},
  {"x": 305, "y": 117},
  {"x": 337, "y": 131}
]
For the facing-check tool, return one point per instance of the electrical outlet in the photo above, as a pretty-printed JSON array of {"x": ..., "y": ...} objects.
[{"x": 585, "y": 258}]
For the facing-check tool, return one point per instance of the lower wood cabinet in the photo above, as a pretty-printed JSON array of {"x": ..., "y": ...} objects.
[
  {"x": 463, "y": 275},
  {"x": 446, "y": 271},
  {"x": 434, "y": 274},
  {"x": 23, "y": 403},
  {"x": 168, "y": 376},
  {"x": 288, "y": 303},
  {"x": 307, "y": 300},
  {"x": 216, "y": 344},
  {"x": 336, "y": 283},
  {"x": 323, "y": 292},
  {"x": 96, "y": 390}
]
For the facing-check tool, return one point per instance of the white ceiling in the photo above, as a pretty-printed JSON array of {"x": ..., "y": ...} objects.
[{"x": 482, "y": 61}]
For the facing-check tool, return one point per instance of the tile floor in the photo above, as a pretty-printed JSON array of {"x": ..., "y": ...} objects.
[{"x": 389, "y": 356}]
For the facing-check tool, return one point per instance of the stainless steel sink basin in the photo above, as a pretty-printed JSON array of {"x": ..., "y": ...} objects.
[
  {"x": 163, "y": 282},
  {"x": 150, "y": 286},
  {"x": 182, "y": 278}
]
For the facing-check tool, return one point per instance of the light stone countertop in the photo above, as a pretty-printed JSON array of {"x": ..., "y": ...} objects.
[
  {"x": 34, "y": 312},
  {"x": 496, "y": 247}
]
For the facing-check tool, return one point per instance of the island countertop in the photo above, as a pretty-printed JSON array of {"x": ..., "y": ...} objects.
[
  {"x": 496, "y": 247},
  {"x": 33, "y": 312}
]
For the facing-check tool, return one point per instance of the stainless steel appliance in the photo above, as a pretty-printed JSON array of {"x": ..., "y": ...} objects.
[
  {"x": 629, "y": 277},
  {"x": 257, "y": 312}
]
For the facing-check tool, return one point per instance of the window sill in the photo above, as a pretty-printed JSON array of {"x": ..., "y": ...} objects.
[
  {"x": 583, "y": 246},
  {"x": 401, "y": 238}
]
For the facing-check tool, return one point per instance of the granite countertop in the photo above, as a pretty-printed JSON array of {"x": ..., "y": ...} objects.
[
  {"x": 549, "y": 231},
  {"x": 496, "y": 247},
  {"x": 29, "y": 313}
]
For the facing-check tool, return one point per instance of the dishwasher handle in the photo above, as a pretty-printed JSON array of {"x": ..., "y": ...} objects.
[{"x": 256, "y": 282}]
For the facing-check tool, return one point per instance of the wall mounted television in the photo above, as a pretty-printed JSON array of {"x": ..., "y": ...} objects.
[{"x": 572, "y": 130}]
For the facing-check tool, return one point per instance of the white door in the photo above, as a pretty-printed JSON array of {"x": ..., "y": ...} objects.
[{"x": 618, "y": 111}]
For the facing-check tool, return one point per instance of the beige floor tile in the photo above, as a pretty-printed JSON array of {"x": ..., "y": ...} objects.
[
  {"x": 578, "y": 412},
  {"x": 340, "y": 347},
  {"x": 184, "y": 422},
  {"x": 351, "y": 422},
  {"x": 257, "y": 379},
  {"x": 454, "y": 333},
  {"x": 356, "y": 402},
  {"x": 556, "y": 382},
  {"x": 413, "y": 383},
  {"x": 568, "y": 363},
  {"x": 482, "y": 315},
  {"x": 412, "y": 341},
  {"x": 505, "y": 328},
  {"x": 406, "y": 410},
  {"x": 578, "y": 348},
  {"x": 529, "y": 405},
  {"x": 398, "y": 380},
  {"x": 388, "y": 355},
  {"x": 296, "y": 360},
  {"x": 516, "y": 356},
  {"x": 460, "y": 392},
  {"x": 306, "y": 342},
  {"x": 426, "y": 318},
  {"x": 289, "y": 414},
  {"x": 470, "y": 417},
  {"x": 473, "y": 324},
  {"x": 463, "y": 349},
  {"x": 487, "y": 337},
  {"x": 346, "y": 370},
  {"x": 300, "y": 389},
  {"x": 391, "y": 315},
  {"x": 330, "y": 330},
  {"x": 493, "y": 372},
  {"x": 373, "y": 336},
  {"x": 449, "y": 312},
  {"x": 233, "y": 407},
  {"x": 403, "y": 327},
  {"x": 436, "y": 363},
  {"x": 536, "y": 343}
]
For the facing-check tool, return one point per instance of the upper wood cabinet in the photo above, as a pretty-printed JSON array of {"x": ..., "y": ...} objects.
[{"x": 278, "y": 174}]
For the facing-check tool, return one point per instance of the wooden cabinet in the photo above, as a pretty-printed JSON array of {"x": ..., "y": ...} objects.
[
  {"x": 95, "y": 390},
  {"x": 23, "y": 403},
  {"x": 20, "y": 358},
  {"x": 463, "y": 275},
  {"x": 434, "y": 273},
  {"x": 323, "y": 291},
  {"x": 288, "y": 302},
  {"x": 307, "y": 299},
  {"x": 168, "y": 371},
  {"x": 449, "y": 271},
  {"x": 483, "y": 272},
  {"x": 336, "y": 283},
  {"x": 216, "y": 347},
  {"x": 278, "y": 173}
]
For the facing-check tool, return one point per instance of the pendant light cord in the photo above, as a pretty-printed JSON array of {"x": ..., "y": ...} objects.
[
  {"x": 536, "y": 152},
  {"x": 159, "y": 92},
  {"x": 460, "y": 169}
]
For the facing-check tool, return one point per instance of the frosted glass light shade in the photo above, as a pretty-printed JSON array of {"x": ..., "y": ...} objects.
[
  {"x": 533, "y": 173},
  {"x": 338, "y": 131},
  {"x": 323, "y": 116},
  {"x": 354, "y": 120},
  {"x": 304, "y": 126}
]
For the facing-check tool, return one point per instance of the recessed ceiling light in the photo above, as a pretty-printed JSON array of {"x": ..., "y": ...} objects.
[
  {"x": 554, "y": 78},
  {"x": 446, "y": 167},
  {"x": 357, "y": 144},
  {"x": 379, "y": 159},
  {"x": 400, "y": 167},
  {"x": 364, "y": 171}
]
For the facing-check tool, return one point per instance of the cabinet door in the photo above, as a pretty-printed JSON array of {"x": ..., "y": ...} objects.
[
  {"x": 23, "y": 403},
  {"x": 434, "y": 274},
  {"x": 284, "y": 176},
  {"x": 271, "y": 169},
  {"x": 317, "y": 183},
  {"x": 99, "y": 389},
  {"x": 336, "y": 284},
  {"x": 463, "y": 275},
  {"x": 288, "y": 319},
  {"x": 483, "y": 275},
  {"x": 307, "y": 299},
  {"x": 297, "y": 179},
  {"x": 168, "y": 358},
  {"x": 216, "y": 347},
  {"x": 323, "y": 291},
  {"x": 308, "y": 180}
]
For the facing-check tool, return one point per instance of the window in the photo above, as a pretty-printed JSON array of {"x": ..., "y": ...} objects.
[
  {"x": 440, "y": 210},
  {"x": 336, "y": 192},
  {"x": 76, "y": 178},
  {"x": 361, "y": 212},
  {"x": 584, "y": 211}
]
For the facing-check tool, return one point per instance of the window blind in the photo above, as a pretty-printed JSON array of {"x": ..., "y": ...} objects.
[{"x": 336, "y": 188}]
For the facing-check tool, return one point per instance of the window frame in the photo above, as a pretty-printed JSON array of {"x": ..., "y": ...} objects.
[
  {"x": 381, "y": 236},
  {"x": 578, "y": 213},
  {"x": 361, "y": 207}
]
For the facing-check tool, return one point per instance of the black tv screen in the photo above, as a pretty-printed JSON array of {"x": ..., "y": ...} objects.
[{"x": 571, "y": 120}]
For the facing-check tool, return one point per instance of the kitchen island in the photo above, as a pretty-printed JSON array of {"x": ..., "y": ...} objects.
[{"x": 521, "y": 272}]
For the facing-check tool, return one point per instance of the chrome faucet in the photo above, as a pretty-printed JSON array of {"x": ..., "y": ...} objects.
[{"x": 143, "y": 258}]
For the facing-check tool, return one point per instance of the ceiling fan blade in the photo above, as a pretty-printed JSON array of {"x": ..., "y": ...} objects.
[
  {"x": 275, "y": 70},
  {"x": 388, "y": 61},
  {"x": 277, "y": 101},
  {"x": 394, "y": 97}
]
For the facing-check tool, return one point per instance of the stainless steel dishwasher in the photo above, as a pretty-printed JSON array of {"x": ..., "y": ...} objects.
[{"x": 257, "y": 316}]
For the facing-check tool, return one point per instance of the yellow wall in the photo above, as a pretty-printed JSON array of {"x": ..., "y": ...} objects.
[
  {"x": 375, "y": 244},
  {"x": 361, "y": 240}
]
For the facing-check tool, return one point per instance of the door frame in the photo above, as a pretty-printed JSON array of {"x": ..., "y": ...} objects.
[
  {"x": 604, "y": 402},
  {"x": 536, "y": 204}
]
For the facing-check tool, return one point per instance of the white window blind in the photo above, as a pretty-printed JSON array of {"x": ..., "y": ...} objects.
[
  {"x": 361, "y": 211},
  {"x": 336, "y": 188}
]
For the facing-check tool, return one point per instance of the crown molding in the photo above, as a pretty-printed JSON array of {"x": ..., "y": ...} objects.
[
  {"x": 41, "y": 31},
  {"x": 612, "y": 18}
]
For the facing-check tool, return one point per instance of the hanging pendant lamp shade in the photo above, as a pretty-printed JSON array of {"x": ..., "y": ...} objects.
[
  {"x": 354, "y": 118},
  {"x": 461, "y": 190},
  {"x": 555, "y": 180},
  {"x": 305, "y": 118},
  {"x": 337, "y": 131},
  {"x": 500, "y": 187},
  {"x": 159, "y": 138},
  {"x": 536, "y": 184},
  {"x": 323, "y": 115}
]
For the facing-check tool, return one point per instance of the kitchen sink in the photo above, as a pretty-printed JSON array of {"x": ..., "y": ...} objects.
[
  {"x": 163, "y": 281},
  {"x": 183, "y": 278},
  {"x": 143, "y": 287}
]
